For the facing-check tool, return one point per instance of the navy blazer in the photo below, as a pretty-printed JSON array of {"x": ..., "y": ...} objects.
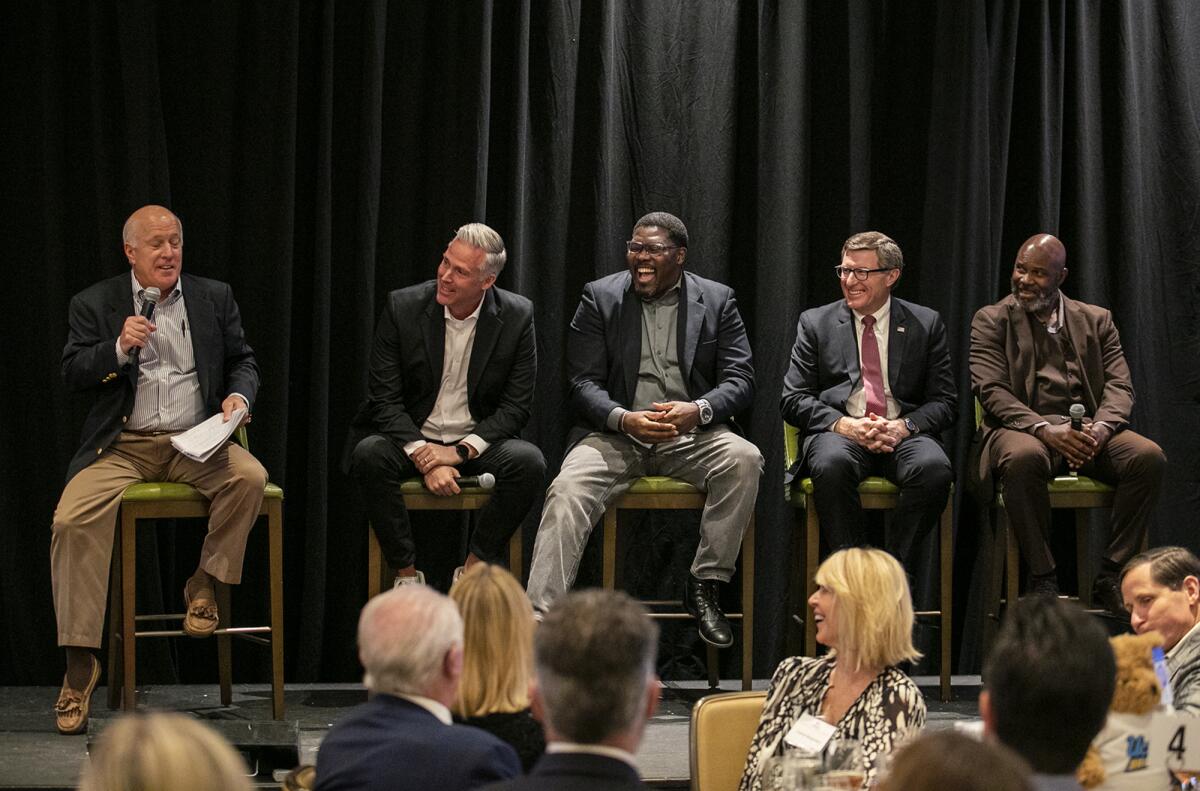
[
  {"x": 391, "y": 744},
  {"x": 225, "y": 363},
  {"x": 575, "y": 772},
  {"x": 406, "y": 366},
  {"x": 824, "y": 368},
  {"x": 604, "y": 349}
]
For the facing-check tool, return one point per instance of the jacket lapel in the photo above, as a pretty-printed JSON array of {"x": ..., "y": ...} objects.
[
  {"x": 120, "y": 307},
  {"x": 434, "y": 330},
  {"x": 847, "y": 344},
  {"x": 1077, "y": 331},
  {"x": 487, "y": 331},
  {"x": 690, "y": 323},
  {"x": 201, "y": 320},
  {"x": 1018, "y": 321},
  {"x": 897, "y": 335},
  {"x": 631, "y": 335}
]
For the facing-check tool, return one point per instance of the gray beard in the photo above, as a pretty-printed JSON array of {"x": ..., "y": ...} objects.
[{"x": 1035, "y": 305}]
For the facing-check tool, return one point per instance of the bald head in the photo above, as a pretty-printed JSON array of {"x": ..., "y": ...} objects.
[
  {"x": 145, "y": 215},
  {"x": 1040, "y": 268},
  {"x": 153, "y": 238}
]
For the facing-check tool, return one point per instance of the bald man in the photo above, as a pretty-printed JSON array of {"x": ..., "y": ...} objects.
[
  {"x": 148, "y": 379},
  {"x": 1034, "y": 354}
]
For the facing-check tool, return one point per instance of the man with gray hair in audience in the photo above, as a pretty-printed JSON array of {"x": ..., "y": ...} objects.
[
  {"x": 410, "y": 641},
  {"x": 1161, "y": 590},
  {"x": 595, "y": 688}
]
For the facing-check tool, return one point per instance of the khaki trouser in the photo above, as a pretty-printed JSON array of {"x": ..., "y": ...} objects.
[{"x": 85, "y": 520}]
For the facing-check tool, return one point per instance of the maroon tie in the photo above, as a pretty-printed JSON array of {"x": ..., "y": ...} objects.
[{"x": 872, "y": 370}]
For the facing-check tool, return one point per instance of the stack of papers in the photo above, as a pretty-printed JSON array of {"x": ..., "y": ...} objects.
[{"x": 202, "y": 441}]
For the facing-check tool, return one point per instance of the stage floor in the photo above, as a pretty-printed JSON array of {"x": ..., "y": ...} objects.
[{"x": 34, "y": 756}]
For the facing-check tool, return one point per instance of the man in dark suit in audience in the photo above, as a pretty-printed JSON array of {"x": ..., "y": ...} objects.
[
  {"x": 658, "y": 365},
  {"x": 870, "y": 388},
  {"x": 595, "y": 689},
  {"x": 1050, "y": 678},
  {"x": 410, "y": 641},
  {"x": 1034, "y": 355},
  {"x": 453, "y": 368}
]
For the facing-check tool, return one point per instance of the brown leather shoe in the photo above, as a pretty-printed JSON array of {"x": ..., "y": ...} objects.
[
  {"x": 200, "y": 614},
  {"x": 71, "y": 710}
]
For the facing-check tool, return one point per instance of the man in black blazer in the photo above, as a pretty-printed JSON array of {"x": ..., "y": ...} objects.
[
  {"x": 594, "y": 690},
  {"x": 148, "y": 378},
  {"x": 870, "y": 388},
  {"x": 410, "y": 642},
  {"x": 658, "y": 365},
  {"x": 451, "y": 386}
]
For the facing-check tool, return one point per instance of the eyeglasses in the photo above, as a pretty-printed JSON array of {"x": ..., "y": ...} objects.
[
  {"x": 652, "y": 249},
  {"x": 859, "y": 274}
]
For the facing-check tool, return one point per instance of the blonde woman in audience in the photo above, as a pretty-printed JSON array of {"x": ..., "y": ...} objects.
[
  {"x": 163, "y": 752},
  {"x": 497, "y": 659},
  {"x": 863, "y": 611}
]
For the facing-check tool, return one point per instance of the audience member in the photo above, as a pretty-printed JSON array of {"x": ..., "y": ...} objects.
[
  {"x": 160, "y": 751},
  {"x": 594, "y": 690},
  {"x": 947, "y": 760},
  {"x": 497, "y": 659},
  {"x": 410, "y": 641},
  {"x": 1048, "y": 682},
  {"x": 864, "y": 614},
  {"x": 1161, "y": 590}
]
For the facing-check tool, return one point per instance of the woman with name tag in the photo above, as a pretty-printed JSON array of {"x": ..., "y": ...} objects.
[{"x": 864, "y": 614}]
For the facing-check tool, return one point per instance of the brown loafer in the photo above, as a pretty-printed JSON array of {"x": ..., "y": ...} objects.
[
  {"x": 200, "y": 614},
  {"x": 71, "y": 710}
]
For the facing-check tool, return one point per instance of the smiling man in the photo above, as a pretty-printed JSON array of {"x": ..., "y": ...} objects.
[
  {"x": 658, "y": 366},
  {"x": 870, "y": 388},
  {"x": 1161, "y": 590},
  {"x": 1034, "y": 354},
  {"x": 451, "y": 382},
  {"x": 148, "y": 379}
]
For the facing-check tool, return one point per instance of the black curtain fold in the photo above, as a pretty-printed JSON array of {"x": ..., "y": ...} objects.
[{"x": 321, "y": 154}]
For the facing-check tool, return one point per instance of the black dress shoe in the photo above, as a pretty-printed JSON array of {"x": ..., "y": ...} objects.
[
  {"x": 1106, "y": 595},
  {"x": 1042, "y": 585},
  {"x": 700, "y": 600}
]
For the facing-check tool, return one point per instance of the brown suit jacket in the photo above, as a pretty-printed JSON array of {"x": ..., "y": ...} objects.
[{"x": 1003, "y": 369}]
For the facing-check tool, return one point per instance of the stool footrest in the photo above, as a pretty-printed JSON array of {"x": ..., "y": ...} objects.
[{"x": 233, "y": 631}]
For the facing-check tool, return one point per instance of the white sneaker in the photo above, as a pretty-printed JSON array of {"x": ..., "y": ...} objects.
[{"x": 419, "y": 579}]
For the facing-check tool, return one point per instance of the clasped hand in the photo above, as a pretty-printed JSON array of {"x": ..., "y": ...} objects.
[
  {"x": 1077, "y": 447},
  {"x": 876, "y": 434},
  {"x": 662, "y": 422}
]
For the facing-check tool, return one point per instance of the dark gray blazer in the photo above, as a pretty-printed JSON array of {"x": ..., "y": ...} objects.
[
  {"x": 604, "y": 350},
  {"x": 574, "y": 772},
  {"x": 824, "y": 368},
  {"x": 225, "y": 363},
  {"x": 406, "y": 366}
]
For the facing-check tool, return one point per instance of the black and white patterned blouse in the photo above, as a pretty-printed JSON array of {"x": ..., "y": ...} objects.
[{"x": 887, "y": 712}]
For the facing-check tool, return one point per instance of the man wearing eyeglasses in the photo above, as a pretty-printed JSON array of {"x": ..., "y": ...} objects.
[
  {"x": 658, "y": 365},
  {"x": 870, "y": 388}
]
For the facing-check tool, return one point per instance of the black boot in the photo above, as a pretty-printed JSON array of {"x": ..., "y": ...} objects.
[{"x": 700, "y": 600}]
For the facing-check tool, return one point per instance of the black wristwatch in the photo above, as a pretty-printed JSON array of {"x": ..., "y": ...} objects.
[
  {"x": 463, "y": 450},
  {"x": 911, "y": 426}
]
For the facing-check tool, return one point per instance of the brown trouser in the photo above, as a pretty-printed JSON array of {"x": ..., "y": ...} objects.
[
  {"x": 85, "y": 520},
  {"x": 1025, "y": 465}
]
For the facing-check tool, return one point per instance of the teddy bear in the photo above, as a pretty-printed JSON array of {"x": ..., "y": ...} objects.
[{"x": 1118, "y": 755}]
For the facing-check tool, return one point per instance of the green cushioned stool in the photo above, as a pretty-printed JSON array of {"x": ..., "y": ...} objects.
[
  {"x": 418, "y": 498},
  {"x": 157, "y": 500},
  {"x": 659, "y": 492},
  {"x": 875, "y": 493}
]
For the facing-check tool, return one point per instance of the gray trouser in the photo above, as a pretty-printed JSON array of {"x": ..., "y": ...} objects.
[{"x": 603, "y": 466}]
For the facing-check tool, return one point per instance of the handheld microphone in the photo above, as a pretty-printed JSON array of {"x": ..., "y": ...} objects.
[
  {"x": 484, "y": 481},
  {"x": 149, "y": 300},
  {"x": 1077, "y": 413}
]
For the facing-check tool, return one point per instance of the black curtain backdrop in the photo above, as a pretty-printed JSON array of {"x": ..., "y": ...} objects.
[{"x": 321, "y": 154}]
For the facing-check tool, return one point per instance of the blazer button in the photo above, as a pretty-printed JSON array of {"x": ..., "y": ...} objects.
[
  {"x": 125, "y": 419},
  {"x": 99, "y": 451}
]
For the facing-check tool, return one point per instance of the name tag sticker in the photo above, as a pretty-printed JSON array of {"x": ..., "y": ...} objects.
[
  {"x": 1175, "y": 742},
  {"x": 810, "y": 733}
]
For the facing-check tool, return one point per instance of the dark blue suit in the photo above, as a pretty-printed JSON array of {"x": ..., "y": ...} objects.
[
  {"x": 391, "y": 744},
  {"x": 575, "y": 772},
  {"x": 824, "y": 371}
]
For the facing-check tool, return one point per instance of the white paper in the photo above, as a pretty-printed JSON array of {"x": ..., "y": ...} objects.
[{"x": 203, "y": 440}]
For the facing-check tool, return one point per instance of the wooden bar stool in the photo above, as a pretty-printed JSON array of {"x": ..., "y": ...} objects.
[
  {"x": 663, "y": 493},
  {"x": 175, "y": 501},
  {"x": 418, "y": 498}
]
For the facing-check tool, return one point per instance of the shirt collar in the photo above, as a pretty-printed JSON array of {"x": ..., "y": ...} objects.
[
  {"x": 592, "y": 749},
  {"x": 138, "y": 291},
  {"x": 1056, "y": 317},
  {"x": 474, "y": 314},
  {"x": 880, "y": 315},
  {"x": 1190, "y": 633},
  {"x": 668, "y": 297},
  {"x": 438, "y": 710}
]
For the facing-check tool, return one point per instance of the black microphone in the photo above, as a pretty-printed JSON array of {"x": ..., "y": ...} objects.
[
  {"x": 1077, "y": 413},
  {"x": 484, "y": 481},
  {"x": 149, "y": 300}
]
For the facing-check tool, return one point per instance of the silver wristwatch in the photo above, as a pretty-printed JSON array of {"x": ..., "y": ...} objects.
[{"x": 706, "y": 413}]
